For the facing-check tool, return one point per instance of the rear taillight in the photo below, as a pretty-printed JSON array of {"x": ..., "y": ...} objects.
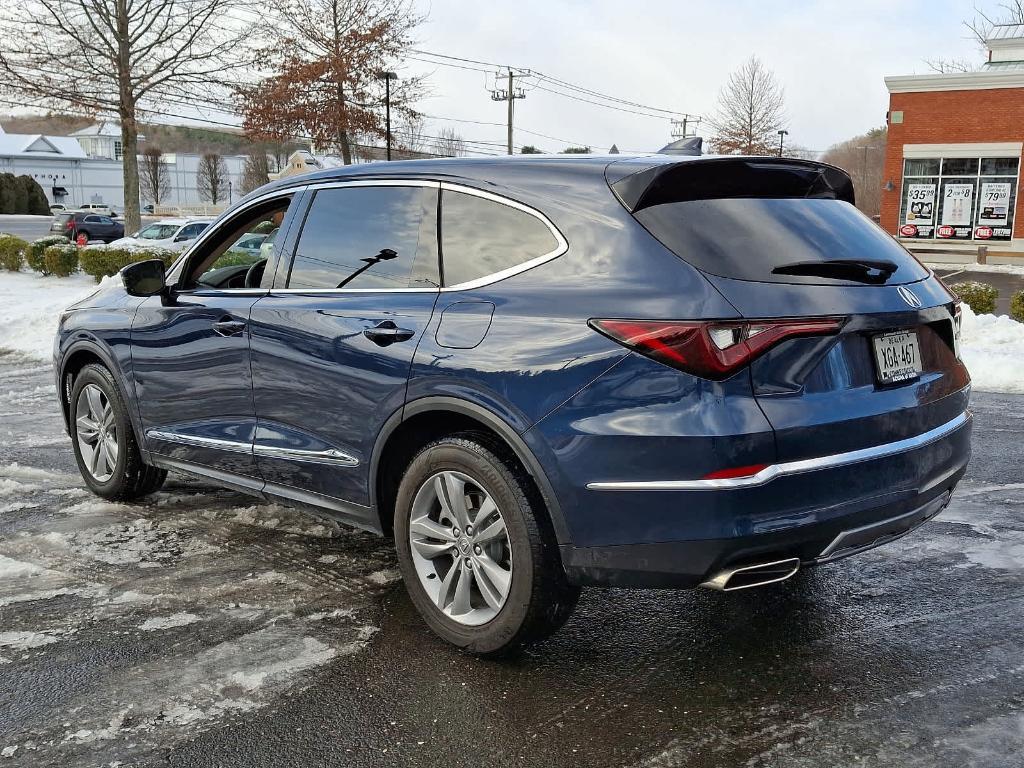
[
  {"x": 712, "y": 350},
  {"x": 69, "y": 224}
]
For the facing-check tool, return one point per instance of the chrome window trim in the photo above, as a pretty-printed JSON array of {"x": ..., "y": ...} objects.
[
  {"x": 791, "y": 467},
  {"x": 329, "y": 456},
  {"x": 562, "y": 245}
]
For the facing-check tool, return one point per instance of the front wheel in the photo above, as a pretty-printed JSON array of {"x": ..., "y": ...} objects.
[
  {"x": 475, "y": 550},
  {"x": 104, "y": 442}
]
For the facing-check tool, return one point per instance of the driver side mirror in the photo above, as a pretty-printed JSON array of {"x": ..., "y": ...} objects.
[
  {"x": 144, "y": 278},
  {"x": 181, "y": 238}
]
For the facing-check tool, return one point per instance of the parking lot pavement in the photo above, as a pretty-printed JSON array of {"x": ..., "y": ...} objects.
[
  {"x": 26, "y": 227},
  {"x": 1006, "y": 283},
  {"x": 203, "y": 628}
]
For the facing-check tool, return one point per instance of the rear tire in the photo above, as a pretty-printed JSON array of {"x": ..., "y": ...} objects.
[
  {"x": 104, "y": 442},
  {"x": 517, "y": 591}
]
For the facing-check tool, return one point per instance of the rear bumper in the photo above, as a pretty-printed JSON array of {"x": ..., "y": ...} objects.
[{"x": 817, "y": 514}]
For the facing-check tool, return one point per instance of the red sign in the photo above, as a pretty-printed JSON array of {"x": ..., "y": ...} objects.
[
  {"x": 945, "y": 231},
  {"x": 908, "y": 230},
  {"x": 81, "y": 240},
  {"x": 983, "y": 233}
]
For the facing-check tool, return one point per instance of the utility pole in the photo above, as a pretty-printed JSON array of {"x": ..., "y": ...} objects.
[
  {"x": 680, "y": 126},
  {"x": 510, "y": 95},
  {"x": 782, "y": 135},
  {"x": 388, "y": 77}
]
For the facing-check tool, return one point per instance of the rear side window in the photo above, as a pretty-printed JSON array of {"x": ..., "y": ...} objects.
[
  {"x": 368, "y": 237},
  {"x": 481, "y": 237},
  {"x": 785, "y": 240}
]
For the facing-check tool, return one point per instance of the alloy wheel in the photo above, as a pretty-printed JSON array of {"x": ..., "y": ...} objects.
[
  {"x": 460, "y": 548},
  {"x": 96, "y": 430}
]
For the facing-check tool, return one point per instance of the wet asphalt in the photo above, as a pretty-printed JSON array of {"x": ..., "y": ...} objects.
[{"x": 201, "y": 628}]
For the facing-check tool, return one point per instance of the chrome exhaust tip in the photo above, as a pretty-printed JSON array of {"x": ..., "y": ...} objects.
[{"x": 757, "y": 575}]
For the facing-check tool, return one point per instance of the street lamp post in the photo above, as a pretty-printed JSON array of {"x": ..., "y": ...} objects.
[
  {"x": 782, "y": 135},
  {"x": 388, "y": 77}
]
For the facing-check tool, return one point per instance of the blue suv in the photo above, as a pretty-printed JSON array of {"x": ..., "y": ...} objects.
[{"x": 541, "y": 373}]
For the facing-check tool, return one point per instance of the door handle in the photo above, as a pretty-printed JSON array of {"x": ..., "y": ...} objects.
[
  {"x": 386, "y": 332},
  {"x": 228, "y": 327}
]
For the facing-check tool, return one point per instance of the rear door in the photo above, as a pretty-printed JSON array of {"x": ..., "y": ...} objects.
[
  {"x": 333, "y": 341},
  {"x": 782, "y": 239}
]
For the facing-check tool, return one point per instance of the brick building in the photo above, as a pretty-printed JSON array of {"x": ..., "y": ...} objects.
[{"x": 953, "y": 157}]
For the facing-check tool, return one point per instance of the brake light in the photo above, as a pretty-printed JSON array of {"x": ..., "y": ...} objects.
[
  {"x": 714, "y": 349},
  {"x": 69, "y": 224}
]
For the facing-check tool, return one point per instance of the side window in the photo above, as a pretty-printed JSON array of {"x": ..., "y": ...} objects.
[
  {"x": 106, "y": 220},
  {"x": 220, "y": 262},
  {"x": 480, "y": 237},
  {"x": 92, "y": 219},
  {"x": 368, "y": 237}
]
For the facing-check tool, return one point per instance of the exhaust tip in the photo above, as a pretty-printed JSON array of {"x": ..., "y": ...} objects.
[{"x": 756, "y": 575}]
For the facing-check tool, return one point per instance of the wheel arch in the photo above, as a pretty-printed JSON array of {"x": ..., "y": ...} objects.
[
  {"x": 79, "y": 354},
  {"x": 429, "y": 418}
]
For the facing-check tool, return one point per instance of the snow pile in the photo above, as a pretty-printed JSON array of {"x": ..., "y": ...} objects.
[
  {"x": 992, "y": 348},
  {"x": 30, "y": 306}
]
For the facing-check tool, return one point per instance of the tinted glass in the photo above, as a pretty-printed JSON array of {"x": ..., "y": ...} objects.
[
  {"x": 368, "y": 237},
  {"x": 921, "y": 167},
  {"x": 959, "y": 166},
  {"x": 748, "y": 238},
  {"x": 480, "y": 237},
  {"x": 999, "y": 166}
]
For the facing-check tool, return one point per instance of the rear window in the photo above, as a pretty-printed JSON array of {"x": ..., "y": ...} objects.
[
  {"x": 785, "y": 240},
  {"x": 482, "y": 237}
]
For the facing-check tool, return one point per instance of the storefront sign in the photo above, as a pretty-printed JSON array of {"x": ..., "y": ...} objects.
[
  {"x": 994, "y": 206},
  {"x": 956, "y": 206},
  {"x": 920, "y": 203}
]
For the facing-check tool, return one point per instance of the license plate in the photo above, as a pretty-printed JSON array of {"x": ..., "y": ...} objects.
[{"x": 897, "y": 356}]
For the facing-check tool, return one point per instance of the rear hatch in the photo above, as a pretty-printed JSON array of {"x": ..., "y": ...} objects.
[
  {"x": 60, "y": 222},
  {"x": 782, "y": 239}
]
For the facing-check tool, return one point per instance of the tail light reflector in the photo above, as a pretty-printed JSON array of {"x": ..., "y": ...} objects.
[
  {"x": 715, "y": 349},
  {"x": 732, "y": 472}
]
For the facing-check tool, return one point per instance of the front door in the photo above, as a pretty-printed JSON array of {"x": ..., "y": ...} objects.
[
  {"x": 190, "y": 356},
  {"x": 331, "y": 350}
]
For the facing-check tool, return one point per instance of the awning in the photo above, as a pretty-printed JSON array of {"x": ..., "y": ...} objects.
[{"x": 60, "y": 192}]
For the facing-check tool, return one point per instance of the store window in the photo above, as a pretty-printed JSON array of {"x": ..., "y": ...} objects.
[{"x": 959, "y": 198}]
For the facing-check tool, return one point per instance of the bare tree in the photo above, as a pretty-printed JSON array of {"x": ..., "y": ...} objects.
[
  {"x": 154, "y": 178},
  {"x": 980, "y": 27},
  {"x": 326, "y": 81},
  {"x": 863, "y": 157},
  {"x": 449, "y": 143},
  {"x": 750, "y": 111},
  {"x": 212, "y": 179},
  {"x": 257, "y": 170},
  {"x": 116, "y": 56},
  {"x": 409, "y": 134}
]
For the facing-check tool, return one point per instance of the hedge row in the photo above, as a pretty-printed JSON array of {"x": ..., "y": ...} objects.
[
  {"x": 982, "y": 299},
  {"x": 54, "y": 255},
  {"x": 22, "y": 194}
]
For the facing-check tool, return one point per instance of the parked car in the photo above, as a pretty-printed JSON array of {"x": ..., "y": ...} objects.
[
  {"x": 93, "y": 226},
  {"x": 174, "y": 234},
  {"x": 101, "y": 208},
  {"x": 58, "y": 207},
  {"x": 538, "y": 375}
]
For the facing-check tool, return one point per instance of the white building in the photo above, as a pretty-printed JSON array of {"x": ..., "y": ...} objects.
[{"x": 86, "y": 168}]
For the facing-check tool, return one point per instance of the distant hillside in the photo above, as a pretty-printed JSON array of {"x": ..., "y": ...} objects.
[{"x": 169, "y": 138}]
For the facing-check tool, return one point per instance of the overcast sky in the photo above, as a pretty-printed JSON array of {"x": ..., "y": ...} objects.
[{"x": 830, "y": 57}]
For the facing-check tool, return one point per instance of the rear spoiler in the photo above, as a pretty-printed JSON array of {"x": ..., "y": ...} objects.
[{"x": 712, "y": 178}]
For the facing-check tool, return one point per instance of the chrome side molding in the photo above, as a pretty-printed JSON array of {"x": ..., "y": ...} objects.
[
  {"x": 769, "y": 473},
  {"x": 329, "y": 456}
]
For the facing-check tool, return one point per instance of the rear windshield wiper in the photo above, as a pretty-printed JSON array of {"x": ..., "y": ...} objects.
[{"x": 858, "y": 270}]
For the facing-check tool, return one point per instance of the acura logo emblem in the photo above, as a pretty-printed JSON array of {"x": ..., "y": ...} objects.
[{"x": 909, "y": 297}]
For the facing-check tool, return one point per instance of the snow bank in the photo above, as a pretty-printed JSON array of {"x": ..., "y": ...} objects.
[
  {"x": 992, "y": 348},
  {"x": 30, "y": 306}
]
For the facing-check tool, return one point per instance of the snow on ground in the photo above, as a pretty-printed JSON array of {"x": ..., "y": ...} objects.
[
  {"x": 30, "y": 306},
  {"x": 1006, "y": 269},
  {"x": 993, "y": 350}
]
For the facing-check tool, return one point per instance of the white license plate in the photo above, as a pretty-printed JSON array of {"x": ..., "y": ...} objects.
[{"x": 897, "y": 356}]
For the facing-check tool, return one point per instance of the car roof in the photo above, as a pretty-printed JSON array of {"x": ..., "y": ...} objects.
[{"x": 181, "y": 220}]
